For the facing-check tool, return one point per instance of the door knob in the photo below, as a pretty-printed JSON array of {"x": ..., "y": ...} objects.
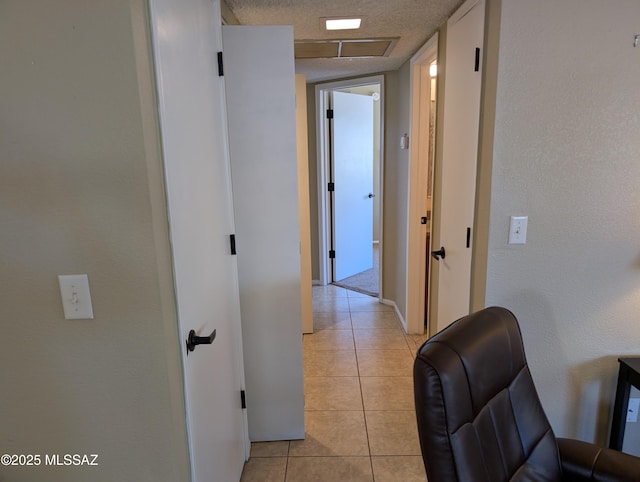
[
  {"x": 438, "y": 254},
  {"x": 371, "y": 195},
  {"x": 194, "y": 340}
]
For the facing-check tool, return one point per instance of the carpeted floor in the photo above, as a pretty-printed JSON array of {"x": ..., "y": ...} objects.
[{"x": 367, "y": 282}]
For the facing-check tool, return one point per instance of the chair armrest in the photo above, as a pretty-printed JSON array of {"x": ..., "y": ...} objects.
[{"x": 582, "y": 461}]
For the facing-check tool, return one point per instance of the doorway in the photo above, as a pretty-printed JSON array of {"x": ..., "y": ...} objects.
[
  {"x": 350, "y": 126},
  {"x": 456, "y": 164},
  {"x": 454, "y": 180},
  {"x": 424, "y": 81}
]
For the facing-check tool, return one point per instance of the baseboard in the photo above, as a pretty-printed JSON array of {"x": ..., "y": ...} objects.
[
  {"x": 398, "y": 314},
  {"x": 316, "y": 282}
]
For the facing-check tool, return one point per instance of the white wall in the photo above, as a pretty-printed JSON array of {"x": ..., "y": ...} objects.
[
  {"x": 566, "y": 153},
  {"x": 81, "y": 192}
]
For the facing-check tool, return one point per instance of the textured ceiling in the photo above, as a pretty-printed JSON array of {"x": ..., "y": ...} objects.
[{"x": 412, "y": 21}]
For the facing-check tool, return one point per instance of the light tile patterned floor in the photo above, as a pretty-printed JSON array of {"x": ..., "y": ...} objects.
[{"x": 359, "y": 413}]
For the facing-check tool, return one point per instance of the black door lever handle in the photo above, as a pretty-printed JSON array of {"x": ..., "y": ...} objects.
[
  {"x": 194, "y": 340},
  {"x": 438, "y": 254}
]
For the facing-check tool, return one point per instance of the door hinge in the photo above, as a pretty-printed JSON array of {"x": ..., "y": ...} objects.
[
  {"x": 477, "y": 67},
  {"x": 331, "y": 187},
  {"x": 468, "y": 237},
  {"x": 332, "y": 254},
  {"x": 232, "y": 242},
  {"x": 329, "y": 113},
  {"x": 243, "y": 399},
  {"x": 220, "y": 65}
]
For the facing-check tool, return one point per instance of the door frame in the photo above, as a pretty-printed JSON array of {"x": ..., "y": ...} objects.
[
  {"x": 323, "y": 150},
  {"x": 420, "y": 110}
]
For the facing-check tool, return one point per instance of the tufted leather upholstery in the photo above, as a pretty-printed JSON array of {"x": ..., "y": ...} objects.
[{"x": 479, "y": 415}]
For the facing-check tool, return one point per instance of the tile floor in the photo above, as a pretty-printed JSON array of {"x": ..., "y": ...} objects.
[{"x": 359, "y": 414}]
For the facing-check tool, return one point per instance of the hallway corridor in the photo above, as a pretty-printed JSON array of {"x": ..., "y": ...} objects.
[{"x": 359, "y": 410}]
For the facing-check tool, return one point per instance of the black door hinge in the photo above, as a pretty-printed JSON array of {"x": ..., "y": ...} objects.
[
  {"x": 220, "y": 65},
  {"x": 468, "y": 237},
  {"x": 329, "y": 113},
  {"x": 232, "y": 242},
  {"x": 331, "y": 187},
  {"x": 477, "y": 68},
  {"x": 332, "y": 254},
  {"x": 243, "y": 399}
]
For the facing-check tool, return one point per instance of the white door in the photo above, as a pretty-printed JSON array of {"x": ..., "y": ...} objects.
[
  {"x": 353, "y": 181},
  {"x": 260, "y": 90},
  {"x": 186, "y": 37},
  {"x": 459, "y": 159}
]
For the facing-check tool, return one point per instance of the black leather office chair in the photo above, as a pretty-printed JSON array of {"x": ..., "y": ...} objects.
[{"x": 480, "y": 418}]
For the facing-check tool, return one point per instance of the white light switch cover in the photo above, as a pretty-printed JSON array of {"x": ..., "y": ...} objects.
[
  {"x": 518, "y": 229},
  {"x": 76, "y": 298}
]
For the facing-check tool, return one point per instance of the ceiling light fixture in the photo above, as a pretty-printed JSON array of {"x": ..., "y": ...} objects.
[{"x": 342, "y": 23}]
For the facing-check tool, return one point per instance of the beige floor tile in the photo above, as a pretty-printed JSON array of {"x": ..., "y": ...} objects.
[
  {"x": 329, "y": 469},
  {"x": 381, "y": 320},
  {"x": 393, "y": 433},
  {"x": 385, "y": 363},
  {"x": 368, "y": 304},
  {"x": 328, "y": 304},
  {"x": 416, "y": 341},
  {"x": 270, "y": 449},
  {"x": 387, "y": 393},
  {"x": 394, "y": 469},
  {"x": 329, "y": 340},
  {"x": 337, "y": 320},
  {"x": 270, "y": 469},
  {"x": 330, "y": 433},
  {"x": 380, "y": 340},
  {"x": 330, "y": 363},
  {"x": 329, "y": 291},
  {"x": 332, "y": 393},
  {"x": 355, "y": 335},
  {"x": 357, "y": 294}
]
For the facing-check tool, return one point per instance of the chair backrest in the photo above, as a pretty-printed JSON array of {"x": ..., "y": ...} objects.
[{"x": 478, "y": 412}]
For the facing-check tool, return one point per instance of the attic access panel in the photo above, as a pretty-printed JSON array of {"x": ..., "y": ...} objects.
[
  {"x": 325, "y": 49},
  {"x": 317, "y": 50}
]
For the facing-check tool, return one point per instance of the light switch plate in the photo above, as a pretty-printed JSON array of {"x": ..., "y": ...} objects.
[
  {"x": 518, "y": 229},
  {"x": 76, "y": 298}
]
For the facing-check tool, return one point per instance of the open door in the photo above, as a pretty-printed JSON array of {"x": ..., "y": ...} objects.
[
  {"x": 260, "y": 91},
  {"x": 423, "y": 129},
  {"x": 353, "y": 183},
  {"x": 452, "y": 244},
  {"x": 200, "y": 213}
]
